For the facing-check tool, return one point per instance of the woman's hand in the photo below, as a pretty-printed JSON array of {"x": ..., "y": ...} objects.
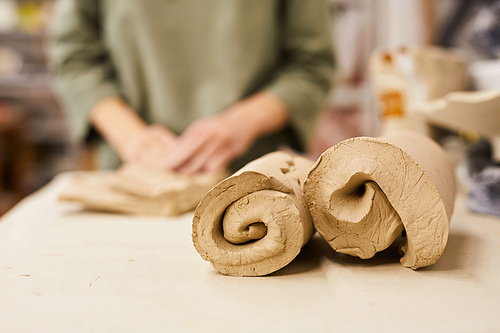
[
  {"x": 207, "y": 145},
  {"x": 211, "y": 144},
  {"x": 149, "y": 147},
  {"x": 131, "y": 138}
]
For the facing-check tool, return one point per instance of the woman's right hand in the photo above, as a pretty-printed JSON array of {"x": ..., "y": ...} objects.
[
  {"x": 149, "y": 147},
  {"x": 131, "y": 138}
]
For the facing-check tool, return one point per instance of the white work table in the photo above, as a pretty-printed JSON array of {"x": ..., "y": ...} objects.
[{"x": 67, "y": 270}]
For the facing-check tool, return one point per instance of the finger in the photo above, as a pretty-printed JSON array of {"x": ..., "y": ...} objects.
[
  {"x": 163, "y": 144},
  {"x": 163, "y": 133},
  {"x": 186, "y": 147},
  {"x": 167, "y": 140},
  {"x": 183, "y": 152},
  {"x": 153, "y": 152},
  {"x": 198, "y": 161},
  {"x": 219, "y": 161}
]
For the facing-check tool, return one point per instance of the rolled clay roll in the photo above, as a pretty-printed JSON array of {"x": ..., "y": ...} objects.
[
  {"x": 363, "y": 192},
  {"x": 256, "y": 221}
]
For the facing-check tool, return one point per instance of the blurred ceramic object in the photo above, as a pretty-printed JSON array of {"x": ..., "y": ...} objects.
[
  {"x": 11, "y": 61},
  {"x": 32, "y": 16},
  {"x": 8, "y": 16},
  {"x": 470, "y": 111},
  {"x": 486, "y": 74},
  {"x": 409, "y": 76}
]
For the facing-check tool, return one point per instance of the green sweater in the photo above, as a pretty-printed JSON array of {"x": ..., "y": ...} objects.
[{"x": 174, "y": 61}]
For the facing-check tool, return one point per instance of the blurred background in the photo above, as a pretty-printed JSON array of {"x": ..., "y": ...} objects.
[{"x": 393, "y": 56}]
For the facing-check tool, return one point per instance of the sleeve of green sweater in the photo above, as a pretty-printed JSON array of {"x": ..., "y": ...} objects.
[
  {"x": 78, "y": 58},
  {"x": 306, "y": 77}
]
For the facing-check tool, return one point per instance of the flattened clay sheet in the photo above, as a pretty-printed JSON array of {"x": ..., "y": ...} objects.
[
  {"x": 363, "y": 192},
  {"x": 256, "y": 221},
  {"x": 137, "y": 190}
]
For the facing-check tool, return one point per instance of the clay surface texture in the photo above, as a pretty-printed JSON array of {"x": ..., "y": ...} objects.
[
  {"x": 138, "y": 190},
  {"x": 256, "y": 221},
  {"x": 363, "y": 192}
]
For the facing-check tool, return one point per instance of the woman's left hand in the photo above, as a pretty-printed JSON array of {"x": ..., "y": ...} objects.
[{"x": 213, "y": 143}]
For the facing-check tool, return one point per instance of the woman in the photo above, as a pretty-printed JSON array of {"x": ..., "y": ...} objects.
[{"x": 192, "y": 85}]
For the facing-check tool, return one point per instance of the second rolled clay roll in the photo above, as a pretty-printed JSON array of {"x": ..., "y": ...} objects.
[
  {"x": 363, "y": 192},
  {"x": 256, "y": 221}
]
